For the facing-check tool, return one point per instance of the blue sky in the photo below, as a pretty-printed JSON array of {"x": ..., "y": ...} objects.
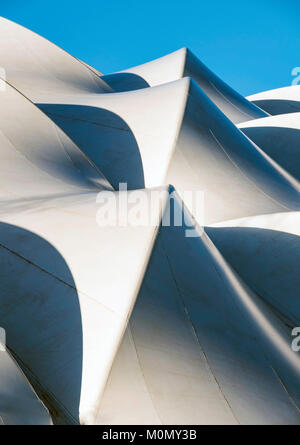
[{"x": 252, "y": 45}]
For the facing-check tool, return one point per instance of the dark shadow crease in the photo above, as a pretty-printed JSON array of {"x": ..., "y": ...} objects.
[
  {"x": 268, "y": 261},
  {"x": 282, "y": 144},
  {"x": 277, "y": 106},
  {"x": 105, "y": 138},
  {"x": 42, "y": 318},
  {"x": 121, "y": 82},
  {"x": 229, "y": 101}
]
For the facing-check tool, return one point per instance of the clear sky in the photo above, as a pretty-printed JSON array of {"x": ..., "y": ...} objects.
[{"x": 252, "y": 45}]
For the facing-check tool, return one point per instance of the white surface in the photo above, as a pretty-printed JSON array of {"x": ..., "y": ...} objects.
[
  {"x": 118, "y": 324},
  {"x": 50, "y": 240},
  {"x": 291, "y": 92},
  {"x": 39, "y": 68},
  {"x": 201, "y": 346},
  {"x": 278, "y": 101},
  {"x": 181, "y": 138},
  {"x": 279, "y": 137},
  {"x": 183, "y": 63}
]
